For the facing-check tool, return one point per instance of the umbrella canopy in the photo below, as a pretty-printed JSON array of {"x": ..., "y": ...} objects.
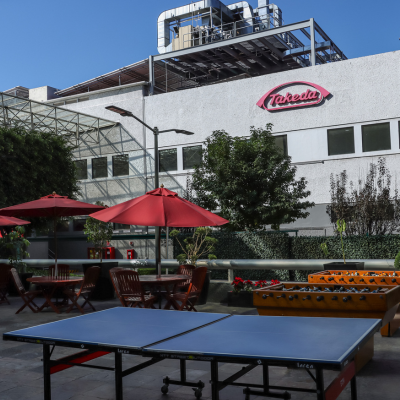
[
  {"x": 159, "y": 207},
  {"x": 10, "y": 221},
  {"x": 53, "y": 206}
]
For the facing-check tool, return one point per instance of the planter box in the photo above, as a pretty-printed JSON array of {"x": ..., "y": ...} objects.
[
  {"x": 241, "y": 299},
  {"x": 339, "y": 266},
  {"x": 204, "y": 291}
]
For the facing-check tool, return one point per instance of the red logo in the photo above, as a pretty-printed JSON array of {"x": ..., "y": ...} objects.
[{"x": 275, "y": 101}]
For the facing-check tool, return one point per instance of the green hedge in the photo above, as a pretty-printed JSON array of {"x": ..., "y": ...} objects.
[{"x": 278, "y": 245}]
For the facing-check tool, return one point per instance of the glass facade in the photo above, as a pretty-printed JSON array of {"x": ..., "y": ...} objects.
[
  {"x": 341, "y": 141},
  {"x": 99, "y": 167},
  {"x": 281, "y": 143},
  {"x": 120, "y": 165},
  {"x": 191, "y": 156},
  {"x": 168, "y": 160},
  {"x": 376, "y": 137},
  {"x": 81, "y": 169}
]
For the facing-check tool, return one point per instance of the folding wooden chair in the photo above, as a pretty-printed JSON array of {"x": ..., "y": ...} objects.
[
  {"x": 62, "y": 271},
  {"x": 89, "y": 282},
  {"x": 115, "y": 283},
  {"x": 4, "y": 280},
  {"x": 27, "y": 297},
  {"x": 188, "y": 299},
  {"x": 131, "y": 290}
]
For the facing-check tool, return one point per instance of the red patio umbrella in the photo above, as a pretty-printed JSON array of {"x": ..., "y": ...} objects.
[
  {"x": 159, "y": 207},
  {"x": 10, "y": 221},
  {"x": 52, "y": 206}
]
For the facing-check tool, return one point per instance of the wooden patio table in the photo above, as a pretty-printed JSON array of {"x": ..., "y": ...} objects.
[
  {"x": 165, "y": 281},
  {"x": 49, "y": 284}
]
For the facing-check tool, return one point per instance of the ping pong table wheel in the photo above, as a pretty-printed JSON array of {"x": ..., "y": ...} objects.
[
  {"x": 197, "y": 393},
  {"x": 164, "y": 389}
]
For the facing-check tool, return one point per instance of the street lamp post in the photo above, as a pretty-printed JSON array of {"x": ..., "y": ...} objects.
[{"x": 156, "y": 132}]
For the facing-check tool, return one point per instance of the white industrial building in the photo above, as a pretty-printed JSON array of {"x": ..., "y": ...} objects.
[{"x": 216, "y": 63}]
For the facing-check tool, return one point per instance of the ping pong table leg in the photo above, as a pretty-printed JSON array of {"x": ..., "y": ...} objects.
[
  {"x": 320, "y": 384},
  {"x": 46, "y": 372},
  {"x": 183, "y": 370},
  {"x": 214, "y": 381},
  {"x": 353, "y": 385},
  {"x": 118, "y": 376},
  {"x": 265, "y": 375}
]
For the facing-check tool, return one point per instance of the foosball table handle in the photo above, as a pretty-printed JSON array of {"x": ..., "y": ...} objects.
[
  {"x": 331, "y": 279},
  {"x": 334, "y": 298},
  {"x": 362, "y": 298},
  {"x": 345, "y": 299},
  {"x": 307, "y": 297},
  {"x": 320, "y": 298},
  {"x": 394, "y": 280}
]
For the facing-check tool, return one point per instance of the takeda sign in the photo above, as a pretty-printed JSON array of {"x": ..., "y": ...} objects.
[{"x": 276, "y": 99}]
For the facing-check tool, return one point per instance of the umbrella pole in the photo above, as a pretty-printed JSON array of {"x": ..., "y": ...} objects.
[
  {"x": 158, "y": 250},
  {"x": 55, "y": 248}
]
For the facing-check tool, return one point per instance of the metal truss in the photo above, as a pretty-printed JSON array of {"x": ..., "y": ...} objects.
[{"x": 35, "y": 116}]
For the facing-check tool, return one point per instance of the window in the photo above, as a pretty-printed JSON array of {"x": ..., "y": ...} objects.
[
  {"x": 168, "y": 160},
  {"x": 120, "y": 165},
  {"x": 78, "y": 224},
  {"x": 281, "y": 143},
  {"x": 340, "y": 141},
  {"x": 376, "y": 137},
  {"x": 121, "y": 227},
  {"x": 191, "y": 156},
  {"x": 81, "y": 169},
  {"x": 99, "y": 167}
]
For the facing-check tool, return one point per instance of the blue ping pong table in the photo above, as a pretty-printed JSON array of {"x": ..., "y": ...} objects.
[{"x": 312, "y": 344}]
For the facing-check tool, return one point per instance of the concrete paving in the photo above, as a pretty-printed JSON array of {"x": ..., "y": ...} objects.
[{"x": 21, "y": 368}]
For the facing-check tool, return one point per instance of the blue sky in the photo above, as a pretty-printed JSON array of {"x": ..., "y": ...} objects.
[{"x": 62, "y": 43}]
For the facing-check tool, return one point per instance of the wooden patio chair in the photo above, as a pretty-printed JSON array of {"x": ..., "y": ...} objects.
[
  {"x": 131, "y": 290},
  {"x": 184, "y": 270},
  {"x": 26, "y": 296},
  {"x": 188, "y": 299},
  {"x": 89, "y": 282},
  {"x": 4, "y": 281},
  {"x": 62, "y": 270},
  {"x": 115, "y": 283}
]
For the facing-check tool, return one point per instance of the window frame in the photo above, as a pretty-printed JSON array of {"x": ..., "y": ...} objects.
[
  {"x": 375, "y": 124},
  {"x": 338, "y": 129},
  {"x": 285, "y": 144},
  {"x": 127, "y": 160},
  {"x": 183, "y": 155},
  {"x": 159, "y": 159},
  {"x": 86, "y": 163}
]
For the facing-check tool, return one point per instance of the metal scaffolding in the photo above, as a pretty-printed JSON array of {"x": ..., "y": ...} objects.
[{"x": 35, "y": 116}]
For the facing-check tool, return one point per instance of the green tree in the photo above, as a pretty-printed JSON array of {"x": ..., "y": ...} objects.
[
  {"x": 250, "y": 181},
  {"x": 99, "y": 233},
  {"x": 34, "y": 164}
]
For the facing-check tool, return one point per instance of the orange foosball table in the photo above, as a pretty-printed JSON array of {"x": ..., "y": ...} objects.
[
  {"x": 390, "y": 278},
  {"x": 332, "y": 300}
]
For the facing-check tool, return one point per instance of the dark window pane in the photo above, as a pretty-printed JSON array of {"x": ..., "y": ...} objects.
[
  {"x": 99, "y": 167},
  {"x": 81, "y": 169},
  {"x": 121, "y": 227},
  {"x": 376, "y": 137},
  {"x": 191, "y": 156},
  {"x": 340, "y": 141},
  {"x": 168, "y": 160},
  {"x": 120, "y": 165},
  {"x": 281, "y": 143},
  {"x": 79, "y": 224},
  {"x": 62, "y": 226}
]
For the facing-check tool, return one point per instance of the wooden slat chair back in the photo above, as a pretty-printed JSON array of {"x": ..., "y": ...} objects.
[
  {"x": 132, "y": 291},
  {"x": 62, "y": 271},
  {"x": 115, "y": 284},
  {"x": 184, "y": 270},
  {"x": 26, "y": 296},
  {"x": 92, "y": 275},
  {"x": 4, "y": 281},
  {"x": 189, "y": 299}
]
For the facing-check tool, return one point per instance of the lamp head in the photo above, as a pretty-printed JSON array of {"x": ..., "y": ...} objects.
[{"x": 120, "y": 111}]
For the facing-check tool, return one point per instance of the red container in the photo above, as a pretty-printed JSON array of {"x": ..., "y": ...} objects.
[
  {"x": 108, "y": 253},
  {"x": 130, "y": 254}
]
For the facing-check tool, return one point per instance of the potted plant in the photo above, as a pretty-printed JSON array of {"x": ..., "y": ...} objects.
[
  {"x": 194, "y": 247},
  {"x": 13, "y": 246},
  {"x": 341, "y": 228},
  {"x": 100, "y": 233}
]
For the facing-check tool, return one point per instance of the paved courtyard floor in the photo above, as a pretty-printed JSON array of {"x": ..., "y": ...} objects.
[{"x": 21, "y": 368}]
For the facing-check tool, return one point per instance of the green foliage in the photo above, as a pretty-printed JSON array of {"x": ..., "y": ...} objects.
[
  {"x": 341, "y": 227},
  {"x": 397, "y": 261},
  {"x": 34, "y": 165},
  {"x": 195, "y": 246},
  {"x": 13, "y": 246},
  {"x": 250, "y": 180},
  {"x": 99, "y": 233},
  {"x": 324, "y": 249}
]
